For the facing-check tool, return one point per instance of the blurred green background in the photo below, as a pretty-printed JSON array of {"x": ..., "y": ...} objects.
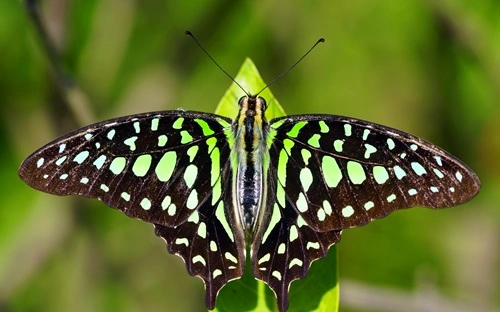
[{"x": 428, "y": 67}]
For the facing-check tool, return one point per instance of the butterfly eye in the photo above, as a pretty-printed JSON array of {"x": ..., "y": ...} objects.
[
  {"x": 263, "y": 103},
  {"x": 242, "y": 101}
]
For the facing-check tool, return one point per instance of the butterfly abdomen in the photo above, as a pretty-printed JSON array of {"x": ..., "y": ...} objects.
[{"x": 249, "y": 149}]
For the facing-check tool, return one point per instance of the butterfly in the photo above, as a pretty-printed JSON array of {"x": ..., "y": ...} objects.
[{"x": 286, "y": 187}]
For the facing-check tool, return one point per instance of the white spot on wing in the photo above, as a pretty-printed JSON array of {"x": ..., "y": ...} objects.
[
  {"x": 347, "y": 129},
  {"x": 390, "y": 143},
  {"x": 281, "y": 248},
  {"x": 369, "y": 205},
  {"x": 145, "y": 203},
  {"x": 125, "y": 196},
  {"x": 294, "y": 234},
  {"x": 230, "y": 257},
  {"x": 61, "y": 160},
  {"x": 130, "y": 142},
  {"x": 277, "y": 275},
  {"x": 81, "y": 157},
  {"x": 313, "y": 245},
  {"x": 105, "y": 188},
  {"x": 296, "y": 262},
  {"x": 99, "y": 162},
  {"x": 199, "y": 259},
  {"x": 202, "y": 230},
  {"x": 302, "y": 203},
  {"x": 391, "y": 198},
  {"x": 265, "y": 258},
  {"x": 347, "y": 211},
  {"x": 180, "y": 241},
  {"x": 438, "y": 173},
  {"x": 111, "y": 134},
  {"x": 216, "y": 273},
  {"x": 366, "y": 132},
  {"x": 137, "y": 127},
  {"x": 370, "y": 149},
  {"x": 438, "y": 160}
]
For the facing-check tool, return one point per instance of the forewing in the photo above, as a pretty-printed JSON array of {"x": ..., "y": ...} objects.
[
  {"x": 157, "y": 167},
  {"x": 340, "y": 172}
]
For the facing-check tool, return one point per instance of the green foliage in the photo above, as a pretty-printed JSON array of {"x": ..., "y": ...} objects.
[{"x": 426, "y": 67}]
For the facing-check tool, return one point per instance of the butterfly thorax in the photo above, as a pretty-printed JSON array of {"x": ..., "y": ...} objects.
[{"x": 250, "y": 130}]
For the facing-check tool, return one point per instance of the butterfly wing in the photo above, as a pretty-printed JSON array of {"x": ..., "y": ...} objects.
[
  {"x": 284, "y": 246},
  {"x": 335, "y": 172},
  {"x": 168, "y": 168}
]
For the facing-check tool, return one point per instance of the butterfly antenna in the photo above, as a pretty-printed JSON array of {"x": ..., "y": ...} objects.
[
  {"x": 74, "y": 98},
  {"x": 217, "y": 64},
  {"x": 320, "y": 40}
]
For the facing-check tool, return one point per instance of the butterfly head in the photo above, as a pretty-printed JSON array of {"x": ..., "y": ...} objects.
[{"x": 251, "y": 105}]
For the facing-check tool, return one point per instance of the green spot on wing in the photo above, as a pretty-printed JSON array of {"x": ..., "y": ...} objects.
[
  {"x": 204, "y": 127},
  {"x": 296, "y": 128},
  {"x": 162, "y": 140},
  {"x": 221, "y": 217},
  {"x": 356, "y": 172},
  {"x": 338, "y": 145},
  {"x": 288, "y": 144},
  {"x": 190, "y": 175},
  {"x": 215, "y": 172},
  {"x": 178, "y": 123},
  {"x": 331, "y": 171},
  {"x": 154, "y": 124},
  {"x": 211, "y": 143},
  {"x": 141, "y": 165},
  {"x": 186, "y": 137},
  {"x": 192, "y": 151},
  {"x": 314, "y": 140},
  {"x": 275, "y": 217},
  {"x": 347, "y": 129},
  {"x": 166, "y": 166},
  {"x": 278, "y": 124},
  {"x": 117, "y": 165},
  {"x": 282, "y": 162},
  {"x": 380, "y": 174},
  {"x": 323, "y": 127}
]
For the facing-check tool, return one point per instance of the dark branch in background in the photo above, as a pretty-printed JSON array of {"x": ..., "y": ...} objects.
[{"x": 74, "y": 98}]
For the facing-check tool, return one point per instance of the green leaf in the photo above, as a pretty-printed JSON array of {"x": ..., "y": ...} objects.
[
  {"x": 319, "y": 291},
  {"x": 249, "y": 78}
]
